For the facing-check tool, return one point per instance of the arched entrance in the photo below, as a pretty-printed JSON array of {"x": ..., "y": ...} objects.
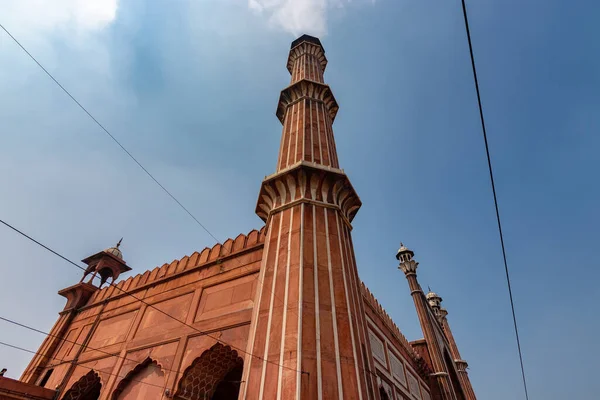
[
  {"x": 86, "y": 388},
  {"x": 383, "y": 394},
  {"x": 215, "y": 375},
  {"x": 145, "y": 381}
]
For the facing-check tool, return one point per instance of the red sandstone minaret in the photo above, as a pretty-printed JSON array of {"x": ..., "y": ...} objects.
[
  {"x": 435, "y": 301},
  {"x": 308, "y": 336},
  {"x": 443, "y": 369}
]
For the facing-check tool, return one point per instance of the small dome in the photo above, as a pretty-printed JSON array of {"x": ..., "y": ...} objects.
[
  {"x": 404, "y": 251},
  {"x": 115, "y": 250},
  {"x": 432, "y": 295}
]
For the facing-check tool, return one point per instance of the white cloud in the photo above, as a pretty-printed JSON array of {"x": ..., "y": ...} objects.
[
  {"x": 34, "y": 16},
  {"x": 297, "y": 16}
]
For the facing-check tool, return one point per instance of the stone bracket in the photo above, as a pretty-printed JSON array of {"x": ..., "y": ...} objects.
[
  {"x": 308, "y": 182},
  {"x": 306, "y": 88}
]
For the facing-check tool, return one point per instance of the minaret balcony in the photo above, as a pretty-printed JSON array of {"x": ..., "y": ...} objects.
[
  {"x": 312, "y": 90},
  {"x": 307, "y": 182}
]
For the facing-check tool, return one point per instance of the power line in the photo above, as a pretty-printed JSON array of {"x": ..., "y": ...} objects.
[
  {"x": 487, "y": 152},
  {"x": 150, "y": 305},
  {"x": 108, "y": 133},
  {"x": 10, "y": 321},
  {"x": 118, "y": 143},
  {"x": 82, "y": 366}
]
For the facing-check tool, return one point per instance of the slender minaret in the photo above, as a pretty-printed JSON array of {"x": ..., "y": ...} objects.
[
  {"x": 308, "y": 333},
  {"x": 431, "y": 329},
  {"x": 435, "y": 301}
]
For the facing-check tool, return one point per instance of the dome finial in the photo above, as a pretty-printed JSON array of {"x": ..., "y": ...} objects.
[{"x": 115, "y": 251}]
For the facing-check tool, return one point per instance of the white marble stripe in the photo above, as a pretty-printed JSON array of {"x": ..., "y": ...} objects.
[
  {"x": 312, "y": 146},
  {"x": 330, "y": 141},
  {"x": 368, "y": 365},
  {"x": 280, "y": 158},
  {"x": 336, "y": 343},
  {"x": 303, "y": 155},
  {"x": 274, "y": 281},
  {"x": 351, "y": 320},
  {"x": 319, "y": 135},
  {"x": 317, "y": 317},
  {"x": 297, "y": 133},
  {"x": 326, "y": 133},
  {"x": 300, "y": 305},
  {"x": 285, "y": 304},
  {"x": 255, "y": 311},
  {"x": 289, "y": 134}
]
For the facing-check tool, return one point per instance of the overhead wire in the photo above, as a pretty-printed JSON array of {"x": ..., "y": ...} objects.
[
  {"x": 63, "y": 339},
  {"x": 89, "y": 114},
  {"x": 84, "y": 366},
  {"x": 150, "y": 305},
  {"x": 489, "y": 162},
  {"x": 107, "y": 132},
  {"x": 122, "y": 148}
]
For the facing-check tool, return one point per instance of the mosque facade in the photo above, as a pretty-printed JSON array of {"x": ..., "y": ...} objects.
[{"x": 277, "y": 313}]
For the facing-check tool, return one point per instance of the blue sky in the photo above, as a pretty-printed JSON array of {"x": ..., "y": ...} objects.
[{"x": 191, "y": 87}]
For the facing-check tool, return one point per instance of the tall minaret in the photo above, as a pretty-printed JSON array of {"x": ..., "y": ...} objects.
[
  {"x": 308, "y": 333},
  {"x": 435, "y": 301},
  {"x": 431, "y": 329}
]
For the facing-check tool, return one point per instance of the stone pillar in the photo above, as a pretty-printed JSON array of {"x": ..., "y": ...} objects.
[
  {"x": 308, "y": 333},
  {"x": 436, "y": 351}
]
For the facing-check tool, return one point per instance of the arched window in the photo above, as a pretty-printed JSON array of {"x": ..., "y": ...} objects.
[
  {"x": 215, "y": 375},
  {"x": 383, "y": 394},
  {"x": 46, "y": 377},
  {"x": 86, "y": 388},
  {"x": 145, "y": 381}
]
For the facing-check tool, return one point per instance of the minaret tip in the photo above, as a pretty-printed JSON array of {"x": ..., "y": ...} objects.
[{"x": 119, "y": 243}]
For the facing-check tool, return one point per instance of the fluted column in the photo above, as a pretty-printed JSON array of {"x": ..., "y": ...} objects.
[
  {"x": 308, "y": 334},
  {"x": 307, "y": 109}
]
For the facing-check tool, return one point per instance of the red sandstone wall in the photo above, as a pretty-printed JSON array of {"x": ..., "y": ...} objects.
[
  {"x": 210, "y": 295},
  {"x": 398, "y": 366}
]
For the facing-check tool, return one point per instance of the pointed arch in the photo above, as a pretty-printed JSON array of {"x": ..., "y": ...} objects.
[
  {"x": 145, "y": 379},
  {"x": 215, "y": 374},
  {"x": 453, "y": 376},
  {"x": 86, "y": 388}
]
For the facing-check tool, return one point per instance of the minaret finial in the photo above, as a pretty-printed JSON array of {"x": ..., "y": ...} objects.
[
  {"x": 428, "y": 288},
  {"x": 119, "y": 243}
]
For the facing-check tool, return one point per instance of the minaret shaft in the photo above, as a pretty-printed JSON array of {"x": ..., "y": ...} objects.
[
  {"x": 461, "y": 365},
  {"x": 308, "y": 331},
  {"x": 440, "y": 369}
]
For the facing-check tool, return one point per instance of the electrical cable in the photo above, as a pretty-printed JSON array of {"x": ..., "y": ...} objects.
[
  {"x": 487, "y": 152},
  {"x": 82, "y": 366},
  {"x": 150, "y": 305}
]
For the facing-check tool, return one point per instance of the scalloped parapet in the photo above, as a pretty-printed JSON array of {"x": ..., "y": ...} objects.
[
  {"x": 387, "y": 320},
  {"x": 197, "y": 259}
]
